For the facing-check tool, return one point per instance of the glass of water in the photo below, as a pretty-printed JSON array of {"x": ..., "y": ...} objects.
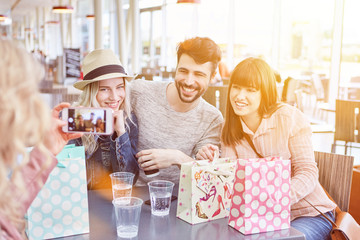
[
  {"x": 127, "y": 212},
  {"x": 121, "y": 184},
  {"x": 160, "y": 197}
]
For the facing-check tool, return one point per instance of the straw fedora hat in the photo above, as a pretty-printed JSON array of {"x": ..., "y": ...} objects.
[{"x": 101, "y": 64}]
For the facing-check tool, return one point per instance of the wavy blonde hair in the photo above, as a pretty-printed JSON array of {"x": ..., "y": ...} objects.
[
  {"x": 24, "y": 121},
  {"x": 88, "y": 99}
]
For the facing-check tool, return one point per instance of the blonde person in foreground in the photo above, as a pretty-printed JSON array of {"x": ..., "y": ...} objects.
[
  {"x": 275, "y": 129},
  {"x": 25, "y": 122}
]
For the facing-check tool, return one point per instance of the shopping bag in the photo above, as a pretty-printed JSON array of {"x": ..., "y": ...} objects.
[
  {"x": 61, "y": 207},
  {"x": 261, "y": 200},
  {"x": 205, "y": 190}
]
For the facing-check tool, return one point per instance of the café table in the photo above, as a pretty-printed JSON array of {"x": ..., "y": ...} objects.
[{"x": 103, "y": 226}]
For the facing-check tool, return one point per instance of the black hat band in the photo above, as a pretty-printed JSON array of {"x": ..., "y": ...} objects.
[{"x": 104, "y": 70}]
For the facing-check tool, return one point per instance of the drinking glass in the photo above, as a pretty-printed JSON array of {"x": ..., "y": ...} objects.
[
  {"x": 127, "y": 213},
  {"x": 160, "y": 197},
  {"x": 121, "y": 184}
]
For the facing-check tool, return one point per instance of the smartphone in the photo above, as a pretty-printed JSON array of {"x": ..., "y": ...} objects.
[{"x": 88, "y": 120}]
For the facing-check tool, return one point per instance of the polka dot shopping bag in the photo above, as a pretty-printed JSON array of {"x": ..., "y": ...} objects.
[
  {"x": 261, "y": 200},
  {"x": 61, "y": 207}
]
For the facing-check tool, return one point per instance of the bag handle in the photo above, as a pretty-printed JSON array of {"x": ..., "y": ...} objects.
[
  {"x": 252, "y": 145},
  {"x": 337, "y": 209},
  {"x": 322, "y": 214},
  {"x": 220, "y": 173}
]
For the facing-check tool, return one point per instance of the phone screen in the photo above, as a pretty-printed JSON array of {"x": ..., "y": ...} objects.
[{"x": 87, "y": 120}]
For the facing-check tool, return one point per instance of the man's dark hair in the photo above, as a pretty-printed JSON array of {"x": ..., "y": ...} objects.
[{"x": 202, "y": 50}]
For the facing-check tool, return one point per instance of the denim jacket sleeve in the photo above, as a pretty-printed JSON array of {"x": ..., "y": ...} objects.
[{"x": 126, "y": 149}]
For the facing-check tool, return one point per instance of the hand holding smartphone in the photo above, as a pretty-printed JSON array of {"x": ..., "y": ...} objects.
[{"x": 88, "y": 120}]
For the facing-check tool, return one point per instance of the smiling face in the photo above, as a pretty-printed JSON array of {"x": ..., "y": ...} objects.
[
  {"x": 81, "y": 119},
  {"x": 191, "y": 79},
  {"x": 245, "y": 101},
  {"x": 111, "y": 93}
]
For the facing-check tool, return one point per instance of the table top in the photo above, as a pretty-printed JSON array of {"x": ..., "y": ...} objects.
[{"x": 103, "y": 226}]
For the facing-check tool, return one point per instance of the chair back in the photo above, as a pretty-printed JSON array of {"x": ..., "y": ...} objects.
[
  {"x": 54, "y": 96},
  {"x": 335, "y": 174},
  {"x": 70, "y": 98},
  {"x": 347, "y": 121},
  {"x": 299, "y": 99},
  {"x": 355, "y": 79},
  {"x": 216, "y": 96},
  {"x": 354, "y": 207},
  {"x": 318, "y": 88},
  {"x": 288, "y": 92}
]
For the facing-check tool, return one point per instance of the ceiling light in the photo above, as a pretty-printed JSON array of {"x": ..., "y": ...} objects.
[
  {"x": 188, "y": 1},
  {"x": 52, "y": 22},
  {"x": 2, "y": 17},
  {"x": 62, "y": 9}
]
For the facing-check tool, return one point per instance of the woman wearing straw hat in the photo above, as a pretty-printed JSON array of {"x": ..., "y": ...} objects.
[{"x": 104, "y": 86}]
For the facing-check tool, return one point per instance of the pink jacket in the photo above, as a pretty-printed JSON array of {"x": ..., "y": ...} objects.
[{"x": 32, "y": 177}]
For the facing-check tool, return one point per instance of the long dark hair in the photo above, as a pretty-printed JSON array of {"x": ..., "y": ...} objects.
[{"x": 256, "y": 73}]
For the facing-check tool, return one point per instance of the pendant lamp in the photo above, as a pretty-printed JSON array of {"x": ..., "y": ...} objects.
[
  {"x": 2, "y": 17},
  {"x": 52, "y": 22},
  {"x": 188, "y": 1},
  {"x": 62, "y": 9}
]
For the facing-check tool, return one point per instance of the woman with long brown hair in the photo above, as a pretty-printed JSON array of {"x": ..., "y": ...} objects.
[{"x": 257, "y": 125}]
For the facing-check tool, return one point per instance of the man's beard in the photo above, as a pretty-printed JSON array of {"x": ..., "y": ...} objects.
[{"x": 179, "y": 85}]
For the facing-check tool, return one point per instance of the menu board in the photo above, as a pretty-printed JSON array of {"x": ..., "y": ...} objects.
[{"x": 72, "y": 62}]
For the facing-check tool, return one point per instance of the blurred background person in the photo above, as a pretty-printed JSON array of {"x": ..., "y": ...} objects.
[
  {"x": 80, "y": 124},
  {"x": 100, "y": 126},
  {"x": 90, "y": 124}
]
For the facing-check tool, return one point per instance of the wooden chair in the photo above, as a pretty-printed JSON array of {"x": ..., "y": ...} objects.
[
  {"x": 70, "y": 97},
  {"x": 354, "y": 93},
  {"x": 145, "y": 76},
  {"x": 335, "y": 174},
  {"x": 347, "y": 123},
  {"x": 288, "y": 92},
  {"x": 319, "y": 87},
  {"x": 216, "y": 96},
  {"x": 299, "y": 99},
  {"x": 56, "y": 95},
  {"x": 354, "y": 207}
]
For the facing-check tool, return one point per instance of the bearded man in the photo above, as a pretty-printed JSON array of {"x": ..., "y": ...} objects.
[{"x": 174, "y": 120}]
